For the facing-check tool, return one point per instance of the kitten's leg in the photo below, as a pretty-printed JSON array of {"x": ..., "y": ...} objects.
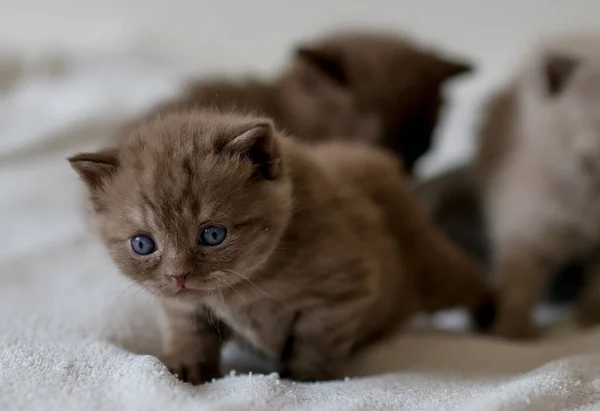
[
  {"x": 320, "y": 343},
  {"x": 588, "y": 306},
  {"x": 194, "y": 340},
  {"x": 521, "y": 276},
  {"x": 446, "y": 276}
]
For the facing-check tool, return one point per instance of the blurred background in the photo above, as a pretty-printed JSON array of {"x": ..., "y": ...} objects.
[
  {"x": 257, "y": 34},
  {"x": 255, "y": 37}
]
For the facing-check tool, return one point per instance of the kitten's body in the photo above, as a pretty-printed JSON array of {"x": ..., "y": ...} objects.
[
  {"x": 538, "y": 162},
  {"x": 370, "y": 87},
  {"x": 306, "y": 104},
  {"x": 325, "y": 251}
]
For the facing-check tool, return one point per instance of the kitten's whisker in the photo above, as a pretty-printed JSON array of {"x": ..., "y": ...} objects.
[
  {"x": 251, "y": 283},
  {"x": 232, "y": 287},
  {"x": 116, "y": 299}
]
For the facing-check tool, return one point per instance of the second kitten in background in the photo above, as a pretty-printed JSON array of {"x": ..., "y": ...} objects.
[
  {"x": 539, "y": 164},
  {"x": 373, "y": 87}
]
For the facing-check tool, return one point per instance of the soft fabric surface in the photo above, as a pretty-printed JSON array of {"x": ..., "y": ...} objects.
[{"x": 74, "y": 335}]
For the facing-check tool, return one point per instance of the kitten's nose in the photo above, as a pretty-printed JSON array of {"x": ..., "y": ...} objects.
[{"x": 180, "y": 279}]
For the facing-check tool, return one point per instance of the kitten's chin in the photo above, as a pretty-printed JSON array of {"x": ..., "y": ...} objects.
[{"x": 184, "y": 295}]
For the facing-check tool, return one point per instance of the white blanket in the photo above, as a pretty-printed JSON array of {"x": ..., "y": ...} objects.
[{"x": 74, "y": 335}]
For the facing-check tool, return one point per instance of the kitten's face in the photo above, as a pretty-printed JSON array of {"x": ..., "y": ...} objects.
[
  {"x": 573, "y": 99},
  {"x": 190, "y": 205},
  {"x": 399, "y": 83}
]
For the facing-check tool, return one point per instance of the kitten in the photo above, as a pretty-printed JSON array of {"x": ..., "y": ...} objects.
[
  {"x": 308, "y": 105},
  {"x": 538, "y": 162},
  {"x": 303, "y": 251},
  {"x": 400, "y": 82},
  {"x": 371, "y": 87}
]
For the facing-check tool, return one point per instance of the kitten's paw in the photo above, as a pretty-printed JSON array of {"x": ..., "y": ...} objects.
[
  {"x": 484, "y": 316},
  {"x": 308, "y": 373},
  {"x": 193, "y": 372}
]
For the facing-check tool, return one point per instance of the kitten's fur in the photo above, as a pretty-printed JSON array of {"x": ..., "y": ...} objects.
[
  {"x": 453, "y": 200},
  {"x": 389, "y": 76},
  {"x": 326, "y": 248},
  {"x": 372, "y": 87},
  {"x": 539, "y": 160}
]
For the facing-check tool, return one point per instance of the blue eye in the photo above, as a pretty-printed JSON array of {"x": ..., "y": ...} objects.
[
  {"x": 143, "y": 245},
  {"x": 213, "y": 235}
]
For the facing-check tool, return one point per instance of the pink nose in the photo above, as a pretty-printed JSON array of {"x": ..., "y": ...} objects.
[{"x": 180, "y": 280}]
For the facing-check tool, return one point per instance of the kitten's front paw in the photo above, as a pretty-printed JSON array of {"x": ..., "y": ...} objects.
[
  {"x": 308, "y": 372},
  {"x": 193, "y": 372}
]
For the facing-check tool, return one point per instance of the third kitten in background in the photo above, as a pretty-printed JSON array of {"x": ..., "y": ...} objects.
[{"x": 539, "y": 169}]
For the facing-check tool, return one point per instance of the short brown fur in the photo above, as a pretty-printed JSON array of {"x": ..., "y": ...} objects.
[{"x": 361, "y": 86}]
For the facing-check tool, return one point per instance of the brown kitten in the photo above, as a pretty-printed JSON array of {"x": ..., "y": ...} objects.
[
  {"x": 371, "y": 87},
  {"x": 304, "y": 252},
  {"x": 538, "y": 162},
  {"x": 392, "y": 77},
  {"x": 291, "y": 101}
]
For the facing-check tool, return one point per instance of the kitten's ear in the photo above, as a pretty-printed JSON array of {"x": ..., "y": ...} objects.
[
  {"x": 453, "y": 68},
  {"x": 558, "y": 70},
  {"x": 259, "y": 144},
  {"x": 95, "y": 168},
  {"x": 326, "y": 62}
]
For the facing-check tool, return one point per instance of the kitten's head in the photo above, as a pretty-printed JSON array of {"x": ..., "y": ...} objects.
[
  {"x": 398, "y": 82},
  {"x": 568, "y": 87},
  {"x": 190, "y": 204}
]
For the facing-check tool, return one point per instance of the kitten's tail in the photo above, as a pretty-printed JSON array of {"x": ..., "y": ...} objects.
[{"x": 444, "y": 275}]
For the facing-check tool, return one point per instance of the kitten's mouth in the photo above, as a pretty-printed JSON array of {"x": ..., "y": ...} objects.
[{"x": 190, "y": 292}]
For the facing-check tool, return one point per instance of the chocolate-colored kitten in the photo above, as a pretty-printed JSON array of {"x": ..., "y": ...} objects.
[
  {"x": 371, "y": 87},
  {"x": 539, "y": 160},
  {"x": 304, "y": 252},
  {"x": 400, "y": 82}
]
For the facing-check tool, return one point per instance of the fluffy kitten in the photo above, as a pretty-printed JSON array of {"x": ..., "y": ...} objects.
[
  {"x": 308, "y": 104},
  {"x": 370, "y": 87},
  {"x": 539, "y": 160},
  {"x": 304, "y": 252}
]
